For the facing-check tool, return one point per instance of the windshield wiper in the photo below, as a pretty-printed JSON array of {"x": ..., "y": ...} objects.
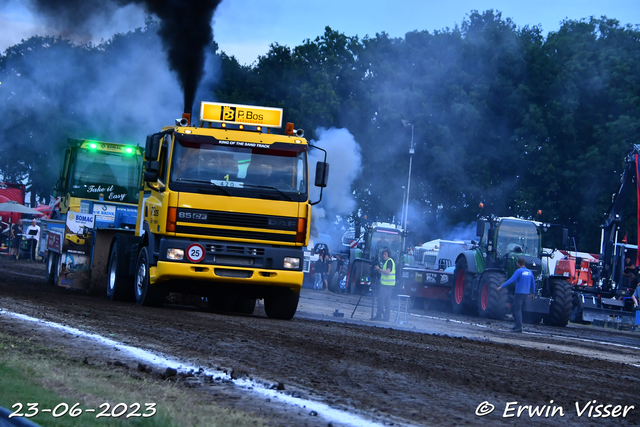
[
  {"x": 202, "y": 181},
  {"x": 270, "y": 188}
]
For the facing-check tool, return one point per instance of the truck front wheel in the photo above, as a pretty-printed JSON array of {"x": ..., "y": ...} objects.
[
  {"x": 146, "y": 294},
  {"x": 282, "y": 305}
]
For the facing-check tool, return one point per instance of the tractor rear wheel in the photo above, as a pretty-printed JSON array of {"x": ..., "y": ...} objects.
[
  {"x": 562, "y": 304},
  {"x": 492, "y": 303}
]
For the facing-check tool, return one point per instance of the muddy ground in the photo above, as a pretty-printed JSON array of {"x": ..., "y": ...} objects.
[{"x": 437, "y": 369}]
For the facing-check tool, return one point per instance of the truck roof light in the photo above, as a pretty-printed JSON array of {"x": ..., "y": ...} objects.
[
  {"x": 289, "y": 129},
  {"x": 93, "y": 145}
]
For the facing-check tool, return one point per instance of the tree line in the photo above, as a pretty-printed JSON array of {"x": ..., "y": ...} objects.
[{"x": 500, "y": 114}]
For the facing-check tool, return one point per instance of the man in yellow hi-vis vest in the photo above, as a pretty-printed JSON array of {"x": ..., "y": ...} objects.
[{"x": 387, "y": 282}]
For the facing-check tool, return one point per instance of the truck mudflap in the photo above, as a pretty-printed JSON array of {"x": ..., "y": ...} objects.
[
  {"x": 537, "y": 305},
  {"x": 605, "y": 310}
]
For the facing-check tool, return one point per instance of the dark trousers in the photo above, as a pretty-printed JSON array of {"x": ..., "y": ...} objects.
[
  {"x": 518, "y": 301},
  {"x": 32, "y": 248},
  {"x": 384, "y": 302}
]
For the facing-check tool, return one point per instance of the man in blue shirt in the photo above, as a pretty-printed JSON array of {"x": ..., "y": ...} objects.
[{"x": 525, "y": 286}]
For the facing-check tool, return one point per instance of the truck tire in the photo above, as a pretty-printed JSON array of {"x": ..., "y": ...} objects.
[
  {"x": 282, "y": 305},
  {"x": 562, "y": 304},
  {"x": 492, "y": 303},
  {"x": 460, "y": 284},
  {"x": 152, "y": 296},
  {"x": 120, "y": 286},
  {"x": 52, "y": 267}
]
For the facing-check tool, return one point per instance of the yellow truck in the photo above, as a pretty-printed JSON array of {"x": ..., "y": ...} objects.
[{"x": 224, "y": 214}]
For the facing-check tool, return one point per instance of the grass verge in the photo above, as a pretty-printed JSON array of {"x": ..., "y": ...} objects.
[{"x": 33, "y": 373}]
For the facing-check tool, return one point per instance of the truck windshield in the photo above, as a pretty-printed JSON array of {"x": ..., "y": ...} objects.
[
  {"x": 240, "y": 171},
  {"x": 106, "y": 176},
  {"x": 517, "y": 236}
]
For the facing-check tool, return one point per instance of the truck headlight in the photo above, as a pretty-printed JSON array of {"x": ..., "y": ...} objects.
[
  {"x": 175, "y": 254},
  {"x": 291, "y": 263}
]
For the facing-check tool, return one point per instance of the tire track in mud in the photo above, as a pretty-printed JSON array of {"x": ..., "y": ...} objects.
[{"x": 386, "y": 373}]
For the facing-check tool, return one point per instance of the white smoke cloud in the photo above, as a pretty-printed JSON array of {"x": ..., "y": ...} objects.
[
  {"x": 345, "y": 166},
  {"x": 137, "y": 88}
]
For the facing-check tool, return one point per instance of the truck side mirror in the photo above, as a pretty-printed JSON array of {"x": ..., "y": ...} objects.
[
  {"x": 152, "y": 169},
  {"x": 480, "y": 228},
  {"x": 322, "y": 174},
  {"x": 152, "y": 147}
]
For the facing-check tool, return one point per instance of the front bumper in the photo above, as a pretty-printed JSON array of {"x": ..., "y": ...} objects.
[{"x": 210, "y": 275}]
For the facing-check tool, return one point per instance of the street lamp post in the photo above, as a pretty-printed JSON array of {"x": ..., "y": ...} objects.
[
  {"x": 404, "y": 195},
  {"x": 406, "y": 206}
]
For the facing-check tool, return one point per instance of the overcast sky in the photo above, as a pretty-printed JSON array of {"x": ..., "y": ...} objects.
[{"x": 246, "y": 28}]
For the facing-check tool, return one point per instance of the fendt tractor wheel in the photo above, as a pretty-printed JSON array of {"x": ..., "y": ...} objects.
[
  {"x": 282, "y": 305},
  {"x": 119, "y": 286},
  {"x": 562, "y": 304},
  {"x": 491, "y": 302},
  {"x": 146, "y": 294},
  {"x": 456, "y": 296}
]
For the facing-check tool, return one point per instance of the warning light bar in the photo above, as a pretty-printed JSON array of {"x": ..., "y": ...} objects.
[
  {"x": 114, "y": 148},
  {"x": 240, "y": 114}
]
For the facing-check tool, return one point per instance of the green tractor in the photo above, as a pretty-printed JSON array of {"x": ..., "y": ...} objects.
[{"x": 480, "y": 270}]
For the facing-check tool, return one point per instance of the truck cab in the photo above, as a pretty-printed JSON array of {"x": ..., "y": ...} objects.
[{"x": 225, "y": 212}]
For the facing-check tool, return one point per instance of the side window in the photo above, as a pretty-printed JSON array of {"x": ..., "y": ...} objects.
[
  {"x": 164, "y": 158},
  {"x": 302, "y": 185}
]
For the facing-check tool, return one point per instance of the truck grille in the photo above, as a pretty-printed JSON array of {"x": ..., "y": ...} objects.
[
  {"x": 233, "y": 249},
  {"x": 238, "y": 234},
  {"x": 234, "y": 219},
  {"x": 225, "y": 272}
]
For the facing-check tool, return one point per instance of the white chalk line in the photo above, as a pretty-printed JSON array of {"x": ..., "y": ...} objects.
[{"x": 321, "y": 409}]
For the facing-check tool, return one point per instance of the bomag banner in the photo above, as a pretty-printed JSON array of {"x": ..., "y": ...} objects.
[{"x": 75, "y": 267}]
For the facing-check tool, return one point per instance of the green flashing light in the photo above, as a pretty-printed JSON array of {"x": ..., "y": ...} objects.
[
  {"x": 128, "y": 150},
  {"x": 93, "y": 145}
]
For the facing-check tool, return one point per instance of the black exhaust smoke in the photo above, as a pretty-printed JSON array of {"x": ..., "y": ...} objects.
[{"x": 185, "y": 30}]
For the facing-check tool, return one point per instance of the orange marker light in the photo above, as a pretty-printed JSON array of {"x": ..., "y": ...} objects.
[{"x": 289, "y": 129}]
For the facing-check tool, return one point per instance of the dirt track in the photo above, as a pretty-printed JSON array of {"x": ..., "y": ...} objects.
[{"x": 428, "y": 372}]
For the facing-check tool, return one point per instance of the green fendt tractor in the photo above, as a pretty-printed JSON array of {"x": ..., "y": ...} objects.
[{"x": 480, "y": 270}]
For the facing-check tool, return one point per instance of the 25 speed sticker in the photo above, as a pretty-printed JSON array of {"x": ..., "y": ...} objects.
[{"x": 105, "y": 410}]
